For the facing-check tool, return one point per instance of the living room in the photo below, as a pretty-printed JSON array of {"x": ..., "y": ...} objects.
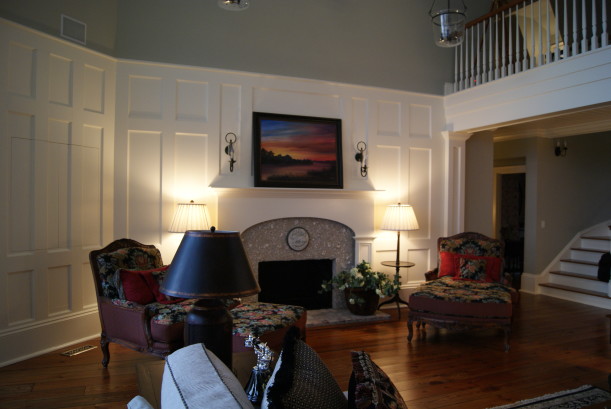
[{"x": 141, "y": 113}]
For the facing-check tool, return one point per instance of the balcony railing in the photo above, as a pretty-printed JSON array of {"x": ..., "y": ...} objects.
[{"x": 526, "y": 34}]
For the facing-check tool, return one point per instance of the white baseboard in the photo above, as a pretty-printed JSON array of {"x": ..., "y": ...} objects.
[{"x": 29, "y": 342}]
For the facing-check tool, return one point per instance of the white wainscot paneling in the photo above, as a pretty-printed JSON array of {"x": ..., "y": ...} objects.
[
  {"x": 21, "y": 201},
  {"x": 192, "y": 101},
  {"x": 93, "y": 88},
  {"x": 191, "y": 164},
  {"x": 61, "y": 72},
  {"x": 385, "y": 171},
  {"x": 296, "y": 103},
  {"x": 144, "y": 186},
  {"x": 22, "y": 70},
  {"x": 91, "y": 186},
  {"x": 88, "y": 287},
  {"x": 58, "y": 185},
  {"x": 420, "y": 121},
  {"x": 58, "y": 290},
  {"x": 420, "y": 257},
  {"x": 420, "y": 182},
  {"x": 145, "y": 97},
  {"x": 389, "y": 118},
  {"x": 20, "y": 296}
]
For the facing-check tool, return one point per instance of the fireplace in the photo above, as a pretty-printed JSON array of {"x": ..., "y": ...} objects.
[
  {"x": 324, "y": 240},
  {"x": 295, "y": 282}
]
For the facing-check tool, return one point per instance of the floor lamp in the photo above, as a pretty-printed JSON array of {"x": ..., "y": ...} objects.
[{"x": 398, "y": 218}]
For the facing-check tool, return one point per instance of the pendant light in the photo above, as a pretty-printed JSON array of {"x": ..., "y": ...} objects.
[
  {"x": 233, "y": 5},
  {"x": 448, "y": 20}
]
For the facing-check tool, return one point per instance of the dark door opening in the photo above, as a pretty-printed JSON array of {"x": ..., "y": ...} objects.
[{"x": 513, "y": 193}]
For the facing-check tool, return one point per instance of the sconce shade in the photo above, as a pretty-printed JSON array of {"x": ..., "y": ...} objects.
[
  {"x": 400, "y": 218},
  {"x": 210, "y": 264},
  {"x": 190, "y": 216}
]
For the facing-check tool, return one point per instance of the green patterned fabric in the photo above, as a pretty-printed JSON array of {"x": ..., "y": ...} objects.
[
  {"x": 464, "y": 291},
  {"x": 249, "y": 318}
]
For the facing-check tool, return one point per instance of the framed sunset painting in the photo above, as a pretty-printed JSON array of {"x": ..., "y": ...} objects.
[{"x": 297, "y": 151}]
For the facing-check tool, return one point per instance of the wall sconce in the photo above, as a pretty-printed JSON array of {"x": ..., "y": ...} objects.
[
  {"x": 560, "y": 150},
  {"x": 360, "y": 157},
  {"x": 230, "y": 138}
]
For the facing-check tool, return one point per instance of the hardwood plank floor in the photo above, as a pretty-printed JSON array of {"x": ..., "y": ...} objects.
[{"x": 555, "y": 345}]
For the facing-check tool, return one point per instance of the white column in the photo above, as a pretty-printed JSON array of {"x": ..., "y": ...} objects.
[{"x": 455, "y": 181}]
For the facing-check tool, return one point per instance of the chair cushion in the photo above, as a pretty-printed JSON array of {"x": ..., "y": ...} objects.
[
  {"x": 447, "y": 295},
  {"x": 370, "y": 387},
  {"x": 258, "y": 318}
]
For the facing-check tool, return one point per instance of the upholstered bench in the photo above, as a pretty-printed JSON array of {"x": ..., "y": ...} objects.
[
  {"x": 467, "y": 290},
  {"x": 136, "y": 315}
]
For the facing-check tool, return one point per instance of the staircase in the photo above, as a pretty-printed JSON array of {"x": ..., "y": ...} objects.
[{"x": 573, "y": 276}]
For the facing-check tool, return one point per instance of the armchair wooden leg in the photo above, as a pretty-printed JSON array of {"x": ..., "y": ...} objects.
[
  {"x": 410, "y": 330},
  {"x": 507, "y": 335},
  {"x": 105, "y": 351}
]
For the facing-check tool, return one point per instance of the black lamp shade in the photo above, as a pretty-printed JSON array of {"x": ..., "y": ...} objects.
[{"x": 210, "y": 264}]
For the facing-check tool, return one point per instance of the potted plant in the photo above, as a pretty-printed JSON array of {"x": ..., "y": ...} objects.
[{"x": 363, "y": 288}]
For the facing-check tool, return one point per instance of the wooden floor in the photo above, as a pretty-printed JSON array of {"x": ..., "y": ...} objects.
[{"x": 555, "y": 345}]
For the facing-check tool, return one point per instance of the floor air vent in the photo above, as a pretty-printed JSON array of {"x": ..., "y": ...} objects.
[{"x": 78, "y": 350}]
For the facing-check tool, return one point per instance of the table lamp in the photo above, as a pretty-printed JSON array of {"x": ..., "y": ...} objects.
[
  {"x": 399, "y": 218},
  {"x": 212, "y": 266}
]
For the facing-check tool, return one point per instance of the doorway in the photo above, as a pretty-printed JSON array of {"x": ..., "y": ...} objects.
[{"x": 510, "y": 220}]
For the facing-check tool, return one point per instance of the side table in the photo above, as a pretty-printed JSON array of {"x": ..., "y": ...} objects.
[{"x": 396, "y": 298}]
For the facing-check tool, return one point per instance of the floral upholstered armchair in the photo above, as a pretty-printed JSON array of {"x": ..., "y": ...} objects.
[
  {"x": 467, "y": 290},
  {"x": 134, "y": 313}
]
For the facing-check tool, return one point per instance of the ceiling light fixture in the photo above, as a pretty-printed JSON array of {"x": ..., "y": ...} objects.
[
  {"x": 233, "y": 5},
  {"x": 448, "y": 22}
]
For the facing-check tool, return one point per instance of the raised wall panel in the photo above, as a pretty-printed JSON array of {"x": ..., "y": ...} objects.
[
  {"x": 420, "y": 257},
  {"x": 21, "y": 201},
  {"x": 94, "y": 81},
  {"x": 387, "y": 168},
  {"x": 191, "y": 164},
  {"x": 59, "y": 290},
  {"x": 60, "y": 74},
  {"x": 20, "y": 296},
  {"x": 144, "y": 185},
  {"x": 420, "y": 121},
  {"x": 88, "y": 287},
  {"x": 145, "y": 97},
  {"x": 22, "y": 70},
  {"x": 280, "y": 101},
  {"x": 420, "y": 181},
  {"x": 192, "y": 100},
  {"x": 389, "y": 118},
  {"x": 91, "y": 197},
  {"x": 58, "y": 180}
]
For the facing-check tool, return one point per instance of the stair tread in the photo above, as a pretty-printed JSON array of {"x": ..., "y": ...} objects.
[
  {"x": 575, "y": 261},
  {"x": 575, "y": 289},
  {"x": 577, "y": 275},
  {"x": 588, "y": 250},
  {"x": 607, "y": 238}
]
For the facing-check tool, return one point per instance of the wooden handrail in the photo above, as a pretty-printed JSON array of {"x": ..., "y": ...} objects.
[{"x": 494, "y": 12}]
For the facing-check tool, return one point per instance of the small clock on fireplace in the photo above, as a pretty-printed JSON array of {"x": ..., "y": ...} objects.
[{"x": 298, "y": 238}]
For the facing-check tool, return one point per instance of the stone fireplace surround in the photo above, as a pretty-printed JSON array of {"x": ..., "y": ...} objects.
[{"x": 328, "y": 239}]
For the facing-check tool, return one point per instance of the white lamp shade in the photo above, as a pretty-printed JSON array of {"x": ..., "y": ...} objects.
[
  {"x": 400, "y": 218},
  {"x": 190, "y": 216}
]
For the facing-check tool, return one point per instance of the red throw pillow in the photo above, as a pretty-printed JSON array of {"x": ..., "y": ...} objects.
[
  {"x": 135, "y": 287},
  {"x": 450, "y": 265},
  {"x": 143, "y": 286}
]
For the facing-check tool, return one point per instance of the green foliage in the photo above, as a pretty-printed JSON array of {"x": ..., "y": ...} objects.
[{"x": 362, "y": 276}]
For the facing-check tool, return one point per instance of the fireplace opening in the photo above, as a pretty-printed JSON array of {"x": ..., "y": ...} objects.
[{"x": 295, "y": 282}]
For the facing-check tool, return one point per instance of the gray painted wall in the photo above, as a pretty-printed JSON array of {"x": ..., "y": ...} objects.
[
  {"x": 45, "y": 15},
  {"x": 382, "y": 43}
]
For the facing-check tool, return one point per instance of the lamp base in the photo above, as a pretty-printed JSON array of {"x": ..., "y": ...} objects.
[{"x": 210, "y": 323}]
